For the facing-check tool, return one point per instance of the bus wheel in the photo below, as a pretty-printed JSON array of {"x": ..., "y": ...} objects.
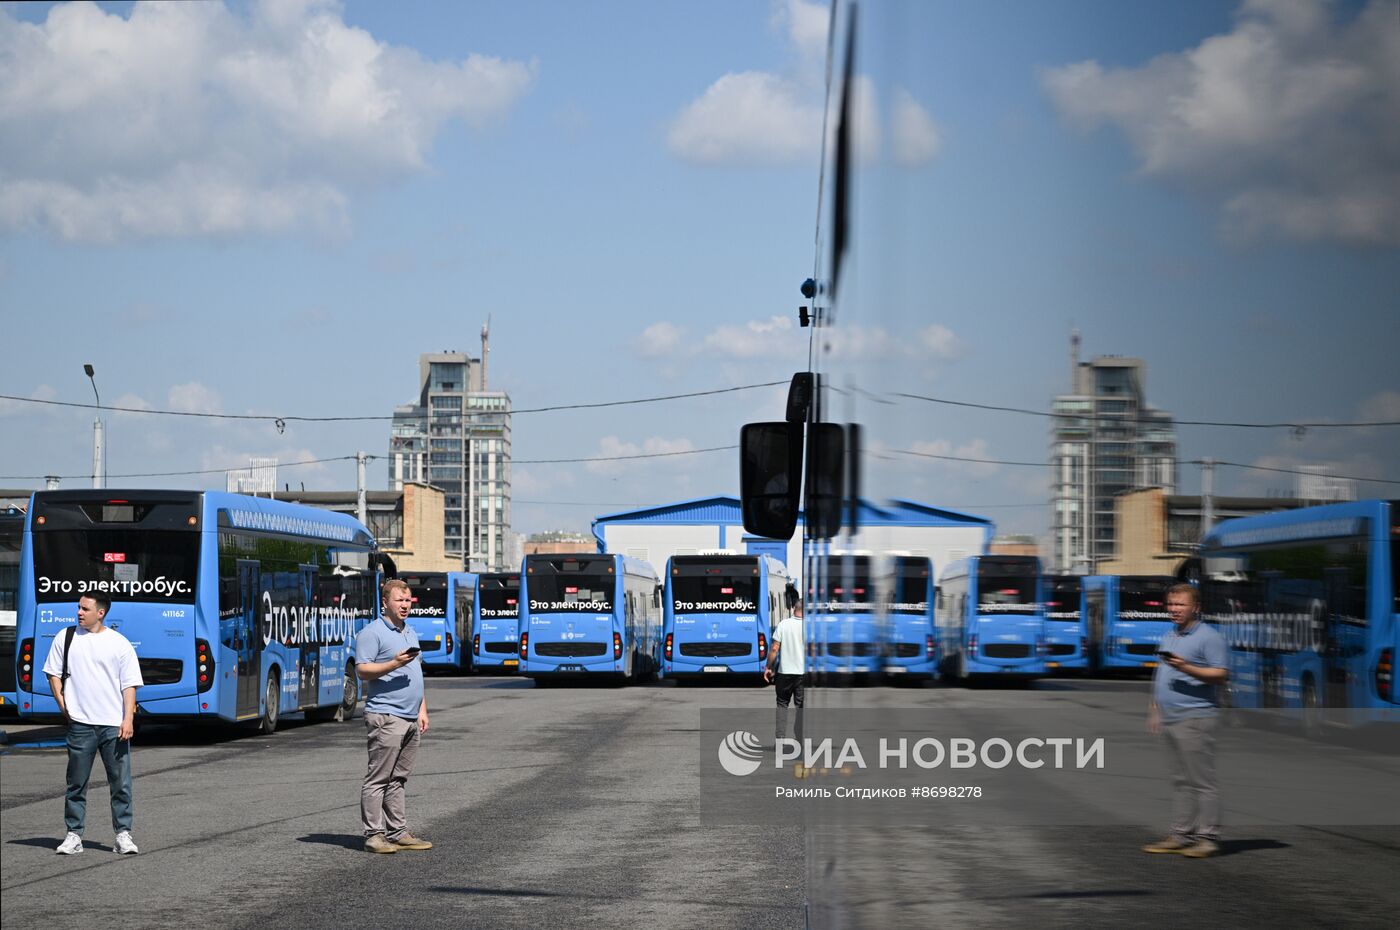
[
  {"x": 272, "y": 704},
  {"x": 351, "y": 695}
]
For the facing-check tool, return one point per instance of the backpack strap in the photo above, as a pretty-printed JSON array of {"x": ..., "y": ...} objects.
[{"x": 67, "y": 645}]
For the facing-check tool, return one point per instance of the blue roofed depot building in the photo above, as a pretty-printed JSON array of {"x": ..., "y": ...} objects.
[{"x": 654, "y": 534}]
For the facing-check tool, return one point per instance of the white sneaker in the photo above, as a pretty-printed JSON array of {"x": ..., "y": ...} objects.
[
  {"x": 72, "y": 845},
  {"x": 124, "y": 845}
]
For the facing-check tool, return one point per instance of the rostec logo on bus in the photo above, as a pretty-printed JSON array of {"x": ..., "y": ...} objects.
[{"x": 297, "y": 625}]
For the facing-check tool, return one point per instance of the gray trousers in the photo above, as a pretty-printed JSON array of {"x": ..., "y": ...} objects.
[
  {"x": 393, "y": 745},
  {"x": 1195, "y": 787}
]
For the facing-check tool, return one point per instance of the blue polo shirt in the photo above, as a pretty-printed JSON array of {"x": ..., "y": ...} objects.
[
  {"x": 1178, "y": 695},
  {"x": 399, "y": 692}
]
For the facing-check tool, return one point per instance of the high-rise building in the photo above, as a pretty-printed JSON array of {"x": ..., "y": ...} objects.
[
  {"x": 1105, "y": 440},
  {"x": 457, "y": 438}
]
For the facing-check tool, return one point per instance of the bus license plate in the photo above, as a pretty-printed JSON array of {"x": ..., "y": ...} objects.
[
  {"x": 715, "y": 668},
  {"x": 511, "y": 662},
  {"x": 571, "y": 668}
]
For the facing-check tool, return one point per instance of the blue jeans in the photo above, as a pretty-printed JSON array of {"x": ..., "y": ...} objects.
[{"x": 85, "y": 741}]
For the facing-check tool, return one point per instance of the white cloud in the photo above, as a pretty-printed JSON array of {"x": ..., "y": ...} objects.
[
  {"x": 19, "y": 408},
  {"x": 1382, "y": 407},
  {"x": 194, "y": 397},
  {"x": 748, "y": 117},
  {"x": 659, "y": 339},
  {"x": 612, "y": 446},
  {"x": 1289, "y": 119},
  {"x": 190, "y": 120},
  {"x": 221, "y": 457},
  {"x": 130, "y": 402},
  {"x": 771, "y": 338},
  {"x": 916, "y": 136},
  {"x": 860, "y": 343},
  {"x": 974, "y": 449},
  {"x": 805, "y": 24},
  {"x": 941, "y": 342}
]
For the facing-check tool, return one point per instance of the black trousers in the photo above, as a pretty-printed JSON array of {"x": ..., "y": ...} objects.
[{"x": 789, "y": 690}]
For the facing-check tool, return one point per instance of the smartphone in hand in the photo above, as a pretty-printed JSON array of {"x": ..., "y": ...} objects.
[{"x": 413, "y": 650}]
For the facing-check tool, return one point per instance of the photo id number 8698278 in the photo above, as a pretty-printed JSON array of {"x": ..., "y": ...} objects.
[{"x": 946, "y": 791}]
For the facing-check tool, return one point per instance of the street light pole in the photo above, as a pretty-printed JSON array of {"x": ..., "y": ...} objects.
[{"x": 99, "y": 460}]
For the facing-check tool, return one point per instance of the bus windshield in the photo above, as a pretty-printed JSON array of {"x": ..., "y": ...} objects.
[
  {"x": 571, "y": 585},
  {"x": 712, "y": 589},
  {"x": 1064, "y": 599},
  {"x": 910, "y": 591},
  {"x": 1006, "y": 586},
  {"x": 429, "y": 599},
  {"x": 849, "y": 587},
  {"x": 1143, "y": 596},
  {"x": 499, "y": 601},
  {"x": 125, "y": 564}
]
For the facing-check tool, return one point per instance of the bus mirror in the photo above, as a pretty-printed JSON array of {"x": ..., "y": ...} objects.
[
  {"x": 826, "y": 455},
  {"x": 386, "y": 565},
  {"x": 770, "y": 478}
]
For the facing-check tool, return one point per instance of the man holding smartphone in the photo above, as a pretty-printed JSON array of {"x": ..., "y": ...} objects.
[
  {"x": 396, "y": 716},
  {"x": 1185, "y": 709}
]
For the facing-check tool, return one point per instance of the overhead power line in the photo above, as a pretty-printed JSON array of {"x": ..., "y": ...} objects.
[
  {"x": 1178, "y": 422},
  {"x": 1294, "y": 471},
  {"x": 283, "y": 419},
  {"x": 619, "y": 458},
  {"x": 173, "y": 474},
  {"x": 351, "y": 458},
  {"x": 963, "y": 458}
]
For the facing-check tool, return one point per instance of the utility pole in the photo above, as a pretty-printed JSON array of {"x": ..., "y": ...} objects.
[
  {"x": 1207, "y": 496},
  {"x": 99, "y": 453},
  {"x": 360, "y": 509}
]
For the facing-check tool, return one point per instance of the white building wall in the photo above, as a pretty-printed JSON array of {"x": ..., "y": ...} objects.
[{"x": 657, "y": 542}]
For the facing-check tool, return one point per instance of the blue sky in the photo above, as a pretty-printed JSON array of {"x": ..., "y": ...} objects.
[{"x": 274, "y": 208}]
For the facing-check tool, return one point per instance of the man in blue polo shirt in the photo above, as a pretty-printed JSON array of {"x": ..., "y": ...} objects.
[
  {"x": 396, "y": 715},
  {"x": 1185, "y": 710}
]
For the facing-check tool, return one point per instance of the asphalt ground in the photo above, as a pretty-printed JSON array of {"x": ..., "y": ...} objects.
[{"x": 579, "y": 806}]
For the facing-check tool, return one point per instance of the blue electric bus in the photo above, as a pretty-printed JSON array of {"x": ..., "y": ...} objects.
[
  {"x": 911, "y": 646},
  {"x": 1066, "y": 637},
  {"x": 842, "y": 623},
  {"x": 1125, "y": 618},
  {"x": 584, "y": 614},
  {"x": 719, "y": 614},
  {"x": 496, "y": 623},
  {"x": 991, "y": 617},
  {"x": 1309, "y": 602},
  {"x": 442, "y": 630},
  {"x": 240, "y": 608},
  {"x": 11, "y": 536}
]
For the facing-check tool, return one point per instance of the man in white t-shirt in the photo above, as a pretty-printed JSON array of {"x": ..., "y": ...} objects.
[
  {"x": 98, "y": 699},
  {"x": 787, "y": 666}
]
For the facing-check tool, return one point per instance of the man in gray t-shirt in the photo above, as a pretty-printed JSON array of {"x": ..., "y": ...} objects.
[
  {"x": 396, "y": 716},
  {"x": 1184, "y": 709}
]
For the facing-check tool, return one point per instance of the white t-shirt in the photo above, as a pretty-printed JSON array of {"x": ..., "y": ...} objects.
[
  {"x": 792, "y": 647},
  {"x": 101, "y": 666}
]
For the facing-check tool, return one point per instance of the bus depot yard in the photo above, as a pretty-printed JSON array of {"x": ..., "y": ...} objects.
[
  {"x": 580, "y": 806},
  {"x": 555, "y": 795}
]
